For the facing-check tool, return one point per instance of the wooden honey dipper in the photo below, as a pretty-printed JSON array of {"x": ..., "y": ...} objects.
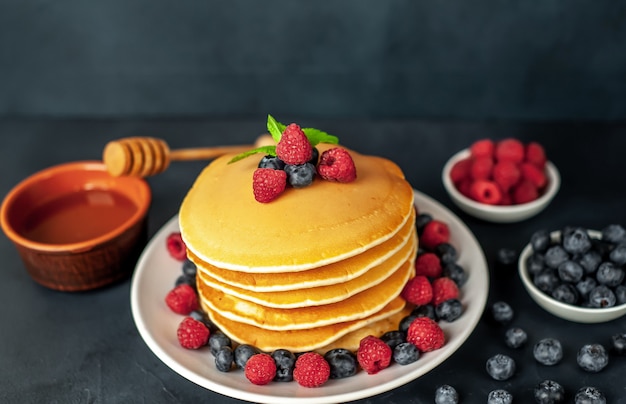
[{"x": 146, "y": 156}]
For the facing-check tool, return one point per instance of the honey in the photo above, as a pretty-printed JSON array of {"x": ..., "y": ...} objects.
[{"x": 78, "y": 216}]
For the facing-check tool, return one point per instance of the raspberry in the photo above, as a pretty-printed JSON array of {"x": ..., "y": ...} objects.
[
  {"x": 506, "y": 200},
  {"x": 311, "y": 370},
  {"x": 176, "y": 246},
  {"x": 536, "y": 155},
  {"x": 506, "y": 174},
  {"x": 294, "y": 147},
  {"x": 336, "y": 164},
  {"x": 485, "y": 191},
  {"x": 182, "y": 299},
  {"x": 260, "y": 369},
  {"x": 533, "y": 174},
  {"x": 482, "y": 148},
  {"x": 510, "y": 149},
  {"x": 460, "y": 170},
  {"x": 268, "y": 183},
  {"x": 525, "y": 192},
  {"x": 192, "y": 334},
  {"x": 373, "y": 354},
  {"x": 428, "y": 264},
  {"x": 425, "y": 334},
  {"x": 481, "y": 168},
  {"x": 434, "y": 233},
  {"x": 444, "y": 289},
  {"x": 418, "y": 291},
  {"x": 464, "y": 187}
]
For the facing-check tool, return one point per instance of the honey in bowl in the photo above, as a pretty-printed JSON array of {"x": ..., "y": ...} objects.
[
  {"x": 78, "y": 216},
  {"x": 75, "y": 226}
]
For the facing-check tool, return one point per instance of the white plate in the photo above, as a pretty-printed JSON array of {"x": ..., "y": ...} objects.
[{"x": 156, "y": 273}]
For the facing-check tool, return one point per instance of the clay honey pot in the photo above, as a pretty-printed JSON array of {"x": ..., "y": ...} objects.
[{"x": 75, "y": 226}]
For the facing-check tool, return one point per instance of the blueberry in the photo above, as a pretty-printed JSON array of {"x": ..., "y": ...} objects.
[
  {"x": 405, "y": 353},
  {"x": 602, "y": 296},
  {"x": 618, "y": 254},
  {"x": 589, "y": 395},
  {"x": 421, "y": 221},
  {"x": 426, "y": 310},
  {"x": 609, "y": 274},
  {"x": 449, "y": 310},
  {"x": 546, "y": 280},
  {"x": 576, "y": 241},
  {"x": 271, "y": 162},
  {"x": 555, "y": 256},
  {"x": 614, "y": 233},
  {"x": 203, "y": 318},
  {"x": 455, "y": 272},
  {"x": 592, "y": 357},
  {"x": 548, "y": 351},
  {"x": 446, "y": 394},
  {"x": 540, "y": 241},
  {"x": 218, "y": 340},
  {"x": 549, "y": 392},
  {"x": 570, "y": 271},
  {"x": 500, "y": 367},
  {"x": 189, "y": 280},
  {"x": 506, "y": 256},
  {"x": 406, "y": 322},
  {"x": 224, "y": 358},
  {"x": 590, "y": 261},
  {"x": 586, "y": 285},
  {"x": 602, "y": 247},
  {"x": 285, "y": 362},
  {"x": 499, "y": 396},
  {"x": 620, "y": 294},
  {"x": 502, "y": 312},
  {"x": 565, "y": 293},
  {"x": 618, "y": 342},
  {"x": 515, "y": 337},
  {"x": 189, "y": 268},
  {"x": 446, "y": 252},
  {"x": 393, "y": 338},
  {"x": 343, "y": 363},
  {"x": 300, "y": 175},
  {"x": 243, "y": 352},
  {"x": 535, "y": 263},
  {"x": 315, "y": 156}
]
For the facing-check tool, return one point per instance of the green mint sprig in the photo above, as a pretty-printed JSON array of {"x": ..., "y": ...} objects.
[{"x": 276, "y": 129}]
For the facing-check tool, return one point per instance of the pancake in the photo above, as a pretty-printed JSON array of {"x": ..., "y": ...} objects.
[
  {"x": 352, "y": 339},
  {"x": 322, "y": 295},
  {"x": 358, "y": 306},
  {"x": 223, "y": 225},
  {"x": 330, "y": 274},
  {"x": 320, "y": 265},
  {"x": 298, "y": 340}
]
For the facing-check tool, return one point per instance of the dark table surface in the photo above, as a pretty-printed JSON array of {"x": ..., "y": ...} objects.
[{"x": 84, "y": 347}]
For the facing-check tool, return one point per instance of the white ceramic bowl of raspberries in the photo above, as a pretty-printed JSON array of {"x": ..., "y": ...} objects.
[
  {"x": 577, "y": 274},
  {"x": 501, "y": 181}
]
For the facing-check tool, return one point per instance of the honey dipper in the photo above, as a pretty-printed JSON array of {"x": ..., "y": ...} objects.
[{"x": 146, "y": 156}]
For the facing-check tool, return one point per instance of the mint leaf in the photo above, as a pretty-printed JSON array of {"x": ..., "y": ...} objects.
[
  {"x": 275, "y": 128},
  {"x": 317, "y": 136},
  {"x": 271, "y": 150}
]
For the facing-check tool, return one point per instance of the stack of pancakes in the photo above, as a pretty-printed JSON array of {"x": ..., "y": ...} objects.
[{"x": 318, "y": 267}]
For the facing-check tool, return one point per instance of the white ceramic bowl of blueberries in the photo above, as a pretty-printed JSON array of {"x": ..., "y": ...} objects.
[{"x": 577, "y": 274}]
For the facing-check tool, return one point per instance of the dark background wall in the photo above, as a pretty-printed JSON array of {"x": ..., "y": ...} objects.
[{"x": 445, "y": 59}]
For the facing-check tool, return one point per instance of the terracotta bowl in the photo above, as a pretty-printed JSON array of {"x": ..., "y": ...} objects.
[{"x": 75, "y": 226}]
